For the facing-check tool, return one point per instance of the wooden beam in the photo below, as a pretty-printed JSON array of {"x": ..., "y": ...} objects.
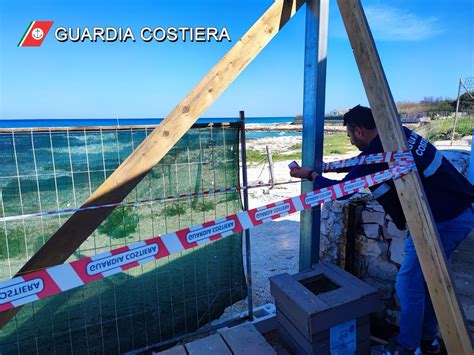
[
  {"x": 410, "y": 191},
  {"x": 81, "y": 224}
]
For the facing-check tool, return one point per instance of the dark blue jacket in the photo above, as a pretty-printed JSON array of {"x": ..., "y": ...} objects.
[{"x": 449, "y": 193}]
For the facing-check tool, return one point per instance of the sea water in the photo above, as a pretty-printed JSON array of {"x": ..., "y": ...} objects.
[{"x": 100, "y": 122}]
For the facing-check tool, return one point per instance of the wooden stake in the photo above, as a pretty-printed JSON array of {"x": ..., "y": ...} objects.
[
  {"x": 410, "y": 191},
  {"x": 81, "y": 224}
]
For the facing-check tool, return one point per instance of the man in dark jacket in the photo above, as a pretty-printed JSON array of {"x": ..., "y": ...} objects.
[{"x": 450, "y": 196}]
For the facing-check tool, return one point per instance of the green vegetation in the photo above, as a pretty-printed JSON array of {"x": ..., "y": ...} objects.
[
  {"x": 255, "y": 156},
  {"x": 337, "y": 144},
  {"x": 333, "y": 144},
  {"x": 120, "y": 224},
  {"x": 16, "y": 243},
  {"x": 437, "y": 106},
  {"x": 466, "y": 102},
  {"x": 286, "y": 156},
  {"x": 431, "y": 105},
  {"x": 19, "y": 239},
  {"x": 203, "y": 206},
  {"x": 174, "y": 208},
  {"x": 296, "y": 146},
  {"x": 442, "y": 129},
  {"x": 230, "y": 197}
]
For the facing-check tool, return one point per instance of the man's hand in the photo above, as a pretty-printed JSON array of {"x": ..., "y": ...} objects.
[{"x": 302, "y": 173}]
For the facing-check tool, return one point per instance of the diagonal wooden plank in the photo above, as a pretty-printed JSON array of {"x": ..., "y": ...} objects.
[
  {"x": 410, "y": 191},
  {"x": 81, "y": 224}
]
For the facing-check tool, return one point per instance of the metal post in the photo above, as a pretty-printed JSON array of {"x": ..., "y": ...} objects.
[
  {"x": 248, "y": 258},
  {"x": 471, "y": 161},
  {"x": 456, "y": 113},
  {"x": 317, "y": 12},
  {"x": 270, "y": 167}
]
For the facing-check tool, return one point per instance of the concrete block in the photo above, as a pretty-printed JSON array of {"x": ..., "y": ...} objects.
[
  {"x": 320, "y": 343},
  {"x": 265, "y": 318},
  {"x": 323, "y": 297}
]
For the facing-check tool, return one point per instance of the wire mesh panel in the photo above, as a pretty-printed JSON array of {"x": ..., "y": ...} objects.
[{"x": 58, "y": 169}]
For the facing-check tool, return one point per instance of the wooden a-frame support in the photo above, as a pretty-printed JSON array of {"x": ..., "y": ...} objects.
[{"x": 410, "y": 191}]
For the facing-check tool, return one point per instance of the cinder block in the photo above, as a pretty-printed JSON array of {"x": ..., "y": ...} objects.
[
  {"x": 320, "y": 343},
  {"x": 309, "y": 304},
  {"x": 264, "y": 318}
]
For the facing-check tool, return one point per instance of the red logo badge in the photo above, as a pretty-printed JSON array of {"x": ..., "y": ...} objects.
[{"x": 35, "y": 33}]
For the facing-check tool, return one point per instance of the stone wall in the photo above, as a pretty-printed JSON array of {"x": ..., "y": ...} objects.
[{"x": 378, "y": 246}]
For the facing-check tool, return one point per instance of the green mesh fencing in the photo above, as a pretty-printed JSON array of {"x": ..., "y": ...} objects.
[{"x": 58, "y": 169}]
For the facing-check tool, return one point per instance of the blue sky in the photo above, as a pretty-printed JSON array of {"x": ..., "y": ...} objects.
[{"x": 425, "y": 46}]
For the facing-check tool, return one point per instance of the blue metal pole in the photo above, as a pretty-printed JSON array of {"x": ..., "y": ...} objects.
[
  {"x": 471, "y": 161},
  {"x": 317, "y": 12}
]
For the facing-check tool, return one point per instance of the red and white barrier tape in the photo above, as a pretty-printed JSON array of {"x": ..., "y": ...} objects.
[
  {"x": 395, "y": 156},
  {"x": 56, "y": 279},
  {"x": 378, "y": 158},
  {"x": 138, "y": 202}
]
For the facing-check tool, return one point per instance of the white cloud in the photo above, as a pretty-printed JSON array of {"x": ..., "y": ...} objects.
[{"x": 393, "y": 24}]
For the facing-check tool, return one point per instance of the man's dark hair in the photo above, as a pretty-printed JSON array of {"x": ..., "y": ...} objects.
[{"x": 359, "y": 116}]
